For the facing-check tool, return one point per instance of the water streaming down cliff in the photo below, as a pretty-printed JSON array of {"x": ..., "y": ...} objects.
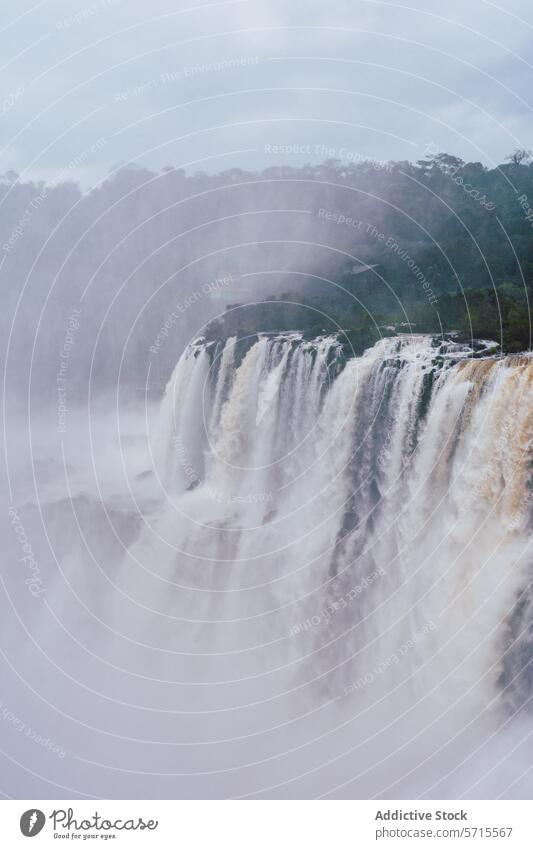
[{"x": 340, "y": 578}]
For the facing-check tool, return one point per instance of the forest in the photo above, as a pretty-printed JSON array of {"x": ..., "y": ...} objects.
[
  {"x": 367, "y": 247},
  {"x": 451, "y": 252}
]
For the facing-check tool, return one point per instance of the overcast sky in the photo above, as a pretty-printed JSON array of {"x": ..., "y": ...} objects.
[{"x": 212, "y": 85}]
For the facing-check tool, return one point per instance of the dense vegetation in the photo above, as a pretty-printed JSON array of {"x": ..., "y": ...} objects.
[{"x": 450, "y": 244}]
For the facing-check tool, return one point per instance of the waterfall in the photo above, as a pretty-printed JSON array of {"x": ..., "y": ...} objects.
[
  {"x": 358, "y": 529},
  {"x": 320, "y": 585}
]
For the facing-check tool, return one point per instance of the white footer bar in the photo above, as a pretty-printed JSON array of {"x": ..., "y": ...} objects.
[{"x": 267, "y": 824}]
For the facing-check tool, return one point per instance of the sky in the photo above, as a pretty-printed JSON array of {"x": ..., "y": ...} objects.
[{"x": 91, "y": 84}]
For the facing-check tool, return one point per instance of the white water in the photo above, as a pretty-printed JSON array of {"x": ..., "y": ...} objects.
[{"x": 330, "y": 592}]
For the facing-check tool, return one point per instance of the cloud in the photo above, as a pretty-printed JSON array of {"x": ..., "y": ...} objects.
[{"x": 207, "y": 85}]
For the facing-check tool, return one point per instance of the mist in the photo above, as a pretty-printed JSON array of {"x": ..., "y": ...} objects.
[{"x": 267, "y": 401}]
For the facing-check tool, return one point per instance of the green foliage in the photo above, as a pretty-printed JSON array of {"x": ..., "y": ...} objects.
[{"x": 451, "y": 245}]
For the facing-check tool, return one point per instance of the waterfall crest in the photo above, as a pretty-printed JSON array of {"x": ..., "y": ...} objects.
[
  {"x": 411, "y": 464},
  {"x": 342, "y": 561}
]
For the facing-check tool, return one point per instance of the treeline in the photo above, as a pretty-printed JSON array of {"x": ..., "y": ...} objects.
[
  {"x": 450, "y": 242},
  {"x": 451, "y": 249}
]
